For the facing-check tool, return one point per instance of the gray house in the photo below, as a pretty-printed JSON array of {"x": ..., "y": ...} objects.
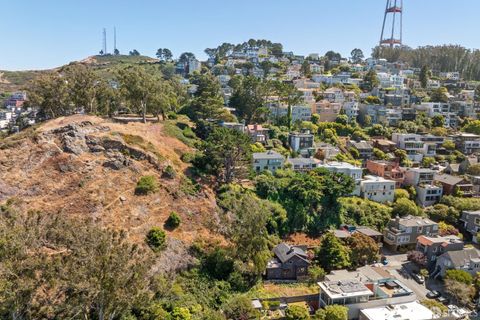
[
  {"x": 433, "y": 247},
  {"x": 304, "y": 164},
  {"x": 269, "y": 160},
  {"x": 288, "y": 263},
  {"x": 471, "y": 223},
  {"x": 467, "y": 260},
  {"x": 403, "y": 232}
]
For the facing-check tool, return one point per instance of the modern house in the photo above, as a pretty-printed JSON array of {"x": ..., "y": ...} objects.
[
  {"x": 301, "y": 141},
  {"x": 288, "y": 263},
  {"x": 411, "y": 311},
  {"x": 467, "y": 259},
  {"x": 257, "y": 133},
  {"x": 415, "y": 146},
  {"x": 428, "y": 194},
  {"x": 303, "y": 164},
  {"x": 403, "y": 232},
  {"x": 432, "y": 247},
  {"x": 377, "y": 189},
  {"x": 367, "y": 287},
  {"x": 347, "y": 231},
  {"x": 471, "y": 223},
  {"x": 467, "y": 143},
  {"x": 348, "y": 169},
  {"x": 269, "y": 161}
]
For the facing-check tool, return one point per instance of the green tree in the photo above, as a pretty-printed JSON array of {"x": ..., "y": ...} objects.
[
  {"x": 356, "y": 56},
  {"x": 156, "y": 239},
  {"x": 180, "y": 313},
  {"x": 173, "y": 220},
  {"x": 248, "y": 230},
  {"x": 289, "y": 95},
  {"x": 296, "y": 313},
  {"x": 449, "y": 145},
  {"x": 459, "y": 291},
  {"x": 370, "y": 80},
  {"x": 316, "y": 273},
  {"x": 49, "y": 92},
  {"x": 438, "y": 120},
  {"x": 138, "y": 89},
  {"x": 365, "y": 212},
  {"x": 207, "y": 102},
  {"x": 332, "y": 312},
  {"x": 401, "y": 193},
  {"x": 239, "y": 308},
  {"x": 134, "y": 52},
  {"x": 342, "y": 119},
  {"x": 249, "y": 98},
  {"x": 363, "y": 249},
  {"x": 459, "y": 275},
  {"x": 146, "y": 185},
  {"x": 164, "y": 54},
  {"x": 425, "y": 75},
  {"x": 226, "y": 154},
  {"x": 404, "y": 207},
  {"x": 427, "y": 162},
  {"x": 332, "y": 254},
  {"x": 472, "y": 127},
  {"x": 439, "y": 95}
]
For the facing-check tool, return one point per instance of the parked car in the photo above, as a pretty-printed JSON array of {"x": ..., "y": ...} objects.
[
  {"x": 433, "y": 294},
  {"x": 443, "y": 300},
  {"x": 418, "y": 278}
]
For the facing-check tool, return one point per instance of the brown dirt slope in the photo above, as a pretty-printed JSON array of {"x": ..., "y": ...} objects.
[{"x": 88, "y": 166}]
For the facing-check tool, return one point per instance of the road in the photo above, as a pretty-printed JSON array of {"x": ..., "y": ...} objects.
[{"x": 399, "y": 267}]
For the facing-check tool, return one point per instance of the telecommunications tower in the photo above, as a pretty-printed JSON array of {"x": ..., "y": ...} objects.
[
  {"x": 104, "y": 46},
  {"x": 393, "y": 17}
]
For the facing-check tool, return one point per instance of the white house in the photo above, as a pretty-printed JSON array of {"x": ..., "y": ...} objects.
[{"x": 377, "y": 189}]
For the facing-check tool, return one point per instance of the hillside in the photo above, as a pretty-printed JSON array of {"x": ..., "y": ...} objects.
[
  {"x": 105, "y": 66},
  {"x": 88, "y": 166}
]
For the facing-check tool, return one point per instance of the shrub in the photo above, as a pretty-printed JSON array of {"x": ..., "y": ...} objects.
[
  {"x": 459, "y": 276},
  {"x": 156, "y": 239},
  {"x": 187, "y": 157},
  {"x": 169, "y": 172},
  {"x": 173, "y": 220},
  {"x": 146, "y": 185},
  {"x": 296, "y": 313}
]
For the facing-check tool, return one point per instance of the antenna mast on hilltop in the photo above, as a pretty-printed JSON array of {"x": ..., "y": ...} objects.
[
  {"x": 104, "y": 47},
  {"x": 393, "y": 9},
  {"x": 114, "y": 40}
]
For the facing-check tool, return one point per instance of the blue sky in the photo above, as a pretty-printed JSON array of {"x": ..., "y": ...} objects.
[{"x": 39, "y": 34}]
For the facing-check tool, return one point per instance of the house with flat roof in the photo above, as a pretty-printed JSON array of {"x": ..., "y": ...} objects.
[
  {"x": 366, "y": 287},
  {"x": 301, "y": 141},
  {"x": 346, "y": 168},
  {"x": 364, "y": 148},
  {"x": 454, "y": 184},
  {"x": 403, "y": 232},
  {"x": 386, "y": 169},
  {"x": 270, "y": 161},
  {"x": 377, "y": 189},
  {"x": 303, "y": 164},
  {"x": 412, "y": 311}
]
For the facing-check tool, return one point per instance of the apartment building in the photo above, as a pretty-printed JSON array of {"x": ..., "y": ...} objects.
[
  {"x": 386, "y": 169},
  {"x": 301, "y": 141}
]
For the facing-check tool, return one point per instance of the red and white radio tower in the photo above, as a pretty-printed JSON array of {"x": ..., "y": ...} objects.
[{"x": 394, "y": 16}]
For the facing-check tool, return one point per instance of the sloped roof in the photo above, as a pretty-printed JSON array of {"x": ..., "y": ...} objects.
[
  {"x": 461, "y": 257},
  {"x": 447, "y": 179},
  {"x": 284, "y": 252}
]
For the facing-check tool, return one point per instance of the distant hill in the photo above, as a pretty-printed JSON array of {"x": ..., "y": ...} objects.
[{"x": 105, "y": 66}]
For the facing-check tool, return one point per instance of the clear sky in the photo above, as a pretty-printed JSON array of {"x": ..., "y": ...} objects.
[{"x": 38, "y": 34}]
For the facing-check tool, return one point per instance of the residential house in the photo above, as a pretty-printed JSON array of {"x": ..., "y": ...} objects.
[
  {"x": 347, "y": 231},
  {"x": 386, "y": 169},
  {"x": 467, "y": 163},
  {"x": 411, "y": 311},
  {"x": 428, "y": 194},
  {"x": 454, "y": 185},
  {"x": 364, "y": 148},
  {"x": 257, "y": 133},
  {"x": 403, "y": 232},
  {"x": 239, "y": 126},
  {"x": 269, "y": 160},
  {"x": 327, "y": 111},
  {"x": 377, "y": 189},
  {"x": 366, "y": 287},
  {"x": 432, "y": 247},
  {"x": 288, "y": 263},
  {"x": 415, "y": 145},
  {"x": 301, "y": 141},
  {"x": 348, "y": 169},
  {"x": 471, "y": 223},
  {"x": 303, "y": 164},
  {"x": 467, "y": 260},
  {"x": 467, "y": 143},
  {"x": 351, "y": 110},
  {"x": 416, "y": 176},
  {"x": 329, "y": 151}
]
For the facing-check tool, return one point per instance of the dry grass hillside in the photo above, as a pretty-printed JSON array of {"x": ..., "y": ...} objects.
[{"x": 88, "y": 166}]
